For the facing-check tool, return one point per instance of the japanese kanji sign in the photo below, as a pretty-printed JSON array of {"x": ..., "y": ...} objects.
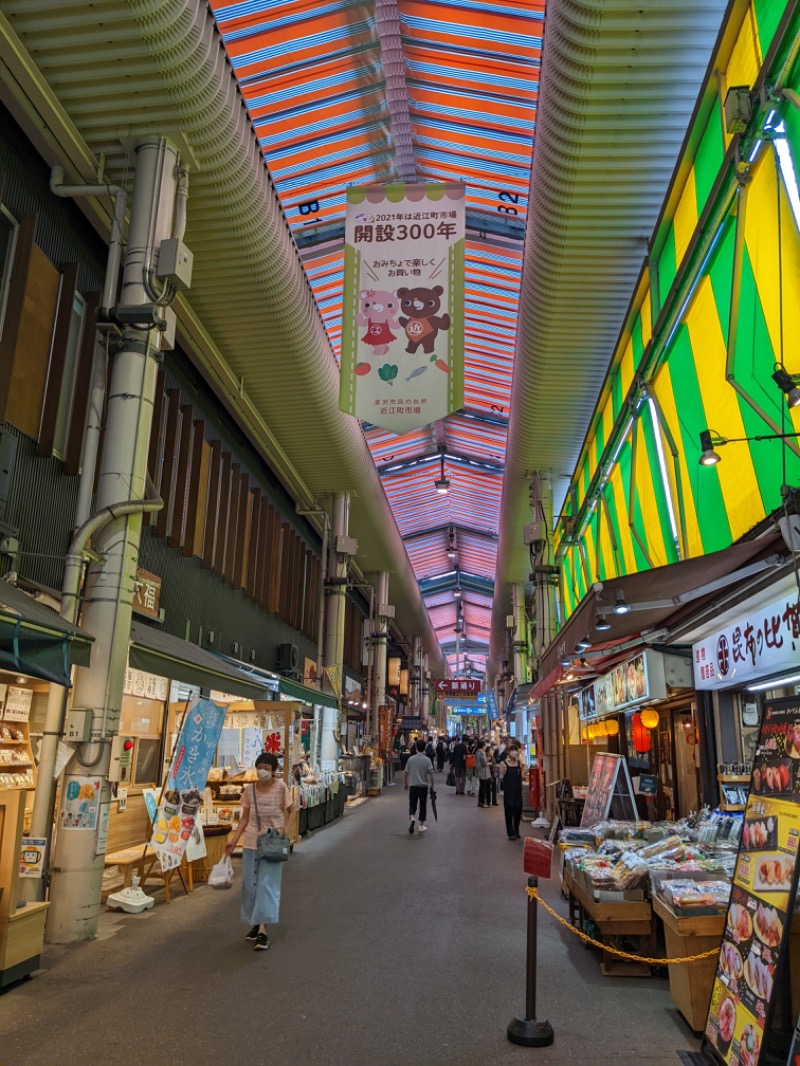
[
  {"x": 461, "y": 688},
  {"x": 403, "y": 308},
  {"x": 752, "y": 647},
  {"x": 147, "y": 593},
  {"x": 180, "y": 802}
]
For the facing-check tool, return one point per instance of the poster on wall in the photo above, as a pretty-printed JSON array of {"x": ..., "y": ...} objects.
[
  {"x": 177, "y": 811},
  {"x": 755, "y": 941},
  {"x": 80, "y": 801},
  {"x": 403, "y": 310},
  {"x": 18, "y": 704}
]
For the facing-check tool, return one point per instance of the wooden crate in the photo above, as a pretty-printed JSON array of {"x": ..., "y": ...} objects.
[{"x": 690, "y": 983}]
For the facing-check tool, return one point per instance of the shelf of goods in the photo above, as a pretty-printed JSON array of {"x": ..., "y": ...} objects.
[
  {"x": 17, "y": 768},
  {"x": 739, "y": 783},
  {"x": 21, "y": 923}
]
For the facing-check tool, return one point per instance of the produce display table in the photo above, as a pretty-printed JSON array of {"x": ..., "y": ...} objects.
[
  {"x": 690, "y": 983},
  {"x": 628, "y": 918}
]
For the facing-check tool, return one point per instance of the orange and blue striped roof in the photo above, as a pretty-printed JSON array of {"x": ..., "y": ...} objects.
[{"x": 340, "y": 93}]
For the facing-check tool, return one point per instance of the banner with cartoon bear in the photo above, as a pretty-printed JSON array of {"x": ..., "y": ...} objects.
[
  {"x": 403, "y": 309},
  {"x": 175, "y": 818}
]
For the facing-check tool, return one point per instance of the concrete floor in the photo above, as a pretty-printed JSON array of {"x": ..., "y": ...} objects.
[{"x": 392, "y": 949}]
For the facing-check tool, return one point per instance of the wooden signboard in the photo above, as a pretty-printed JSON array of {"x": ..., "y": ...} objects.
[
  {"x": 610, "y": 792},
  {"x": 751, "y": 969}
]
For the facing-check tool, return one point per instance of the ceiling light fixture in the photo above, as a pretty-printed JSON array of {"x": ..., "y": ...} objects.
[
  {"x": 583, "y": 645},
  {"x": 709, "y": 457},
  {"x": 787, "y": 383},
  {"x": 710, "y": 441},
  {"x": 442, "y": 484},
  {"x": 621, "y": 606},
  {"x": 451, "y": 544},
  {"x": 566, "y": 662},
  {"x": 602, "y": 625}
]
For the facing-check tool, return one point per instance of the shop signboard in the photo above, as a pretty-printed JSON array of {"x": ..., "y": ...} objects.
[
  {"x": 465, "y": 688},
  {"x": 627, "y": 684},
  {"x": 403, "y": 311},
  {"x": 610, "y": 791},
  {"x": 491, "y": 706},
  {"x": 757, "y": 645},
  {"x": 147, "y": 594},
  {"x": 180, "y": 800},
  {"x": 752, "y": 960},
  {"x": 145, "y": 686}
]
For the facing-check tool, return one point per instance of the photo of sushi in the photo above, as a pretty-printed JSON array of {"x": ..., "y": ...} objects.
[
  {"x": 773, "y": 873},
  {"x": 773, "y": 777},
  {"x": 760, "y": 834}
]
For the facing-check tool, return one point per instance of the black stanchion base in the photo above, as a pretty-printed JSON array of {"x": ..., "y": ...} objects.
[{"x": 528, "y": 1032}]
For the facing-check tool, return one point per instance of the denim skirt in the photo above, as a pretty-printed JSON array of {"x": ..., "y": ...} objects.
[{"x": 261, "y": 889}]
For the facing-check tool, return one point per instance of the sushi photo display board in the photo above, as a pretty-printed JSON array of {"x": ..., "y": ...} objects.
[
  {"x": 751, "y": 961},
  {"x": 610, "y": 791}
]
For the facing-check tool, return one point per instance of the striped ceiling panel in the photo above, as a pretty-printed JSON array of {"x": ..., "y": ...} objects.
[{"x": 325, "y": 109}]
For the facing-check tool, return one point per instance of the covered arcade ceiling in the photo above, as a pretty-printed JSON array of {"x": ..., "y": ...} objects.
[{"x": 563, "y": 120}]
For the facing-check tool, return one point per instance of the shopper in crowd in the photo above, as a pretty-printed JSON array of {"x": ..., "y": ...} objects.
[
  {"x": 418, "y": 778},
  {"x": 511, "y": 771},
  {"x": 470, "y": 769},
  {"x": 430, "y": 750},
  {"x": 458, "y": 764},
  {"x": 261, "y": 880},
  {"x": 494, "y": 779},
  {"x": 484, "y": 774},
  {"x": 440, "y": 754}
]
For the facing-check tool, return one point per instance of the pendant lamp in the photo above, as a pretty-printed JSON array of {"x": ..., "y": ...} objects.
[{"x": 642, "y": 740}]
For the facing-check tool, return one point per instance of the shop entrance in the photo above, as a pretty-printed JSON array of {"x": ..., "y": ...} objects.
[{"x": 685, "y": 739}]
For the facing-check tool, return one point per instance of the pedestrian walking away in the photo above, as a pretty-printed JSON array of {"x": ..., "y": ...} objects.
[
  {"x": 440, "y": 754},
  {"x": 418, "y": 778},
  {"x": 261, "y": 880},
  {"x": 511, "y": 772},
  {"x": 484, "y": 774},
  {"x": 458, "y": 761}
]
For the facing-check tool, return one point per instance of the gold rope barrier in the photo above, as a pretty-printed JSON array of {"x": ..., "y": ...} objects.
[{"x": 533, "y": 893}]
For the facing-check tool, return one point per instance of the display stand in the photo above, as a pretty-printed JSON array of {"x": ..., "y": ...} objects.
[
  {"x": 610, "y": 792},
  {"x": 21, "y": 927},
  {"x": 690, "y": 983},
  {"x": 628, "y": 918}
]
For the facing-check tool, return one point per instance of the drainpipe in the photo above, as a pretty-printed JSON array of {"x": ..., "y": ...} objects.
[
  {"x": 380, "y": 637},
  {"x": 44, "y": 797},
  {"x": 370, "y": 661},
  {"x": 77, "y": 870},
  {"x": 334, "y": 631}
]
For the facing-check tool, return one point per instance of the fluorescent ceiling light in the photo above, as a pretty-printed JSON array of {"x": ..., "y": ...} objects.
[{"x": 776, "y": 682}]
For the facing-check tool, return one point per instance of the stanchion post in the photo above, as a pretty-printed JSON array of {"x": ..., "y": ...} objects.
[{"x": 528, "y": 1031}]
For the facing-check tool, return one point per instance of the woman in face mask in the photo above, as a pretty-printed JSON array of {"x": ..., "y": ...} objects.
[{"x": 261, "y": 881}]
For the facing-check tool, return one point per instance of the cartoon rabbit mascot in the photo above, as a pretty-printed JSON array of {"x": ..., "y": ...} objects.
[{"x": 378, "y": 311}]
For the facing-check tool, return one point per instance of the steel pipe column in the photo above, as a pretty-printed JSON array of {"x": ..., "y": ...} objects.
[{"x": 336, "y": 599}]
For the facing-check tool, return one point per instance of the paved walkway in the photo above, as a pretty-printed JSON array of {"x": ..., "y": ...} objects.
[{"x": 392, "y": 949}]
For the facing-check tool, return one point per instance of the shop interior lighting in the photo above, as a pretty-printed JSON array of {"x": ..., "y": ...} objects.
[
  {"x": 583, "y": 645},
  {"x": 776, "y": 682},
  {"x": 621, "y": 606},
  {"x": 709, "y": 442},
  {"x": 602, "y": 625},
  {"x": 442, "y": 484},
  {"x": 788, "y": 385},
  {"x": 566, "y": 662}
]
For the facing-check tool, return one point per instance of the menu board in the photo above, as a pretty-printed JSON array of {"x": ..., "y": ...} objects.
[
  {"x": 610, "y": 791},
  {"x": 762, "y": 899}
]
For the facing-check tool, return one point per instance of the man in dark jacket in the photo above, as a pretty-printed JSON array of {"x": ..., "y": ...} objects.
[
  {"x": 458, "y": 761},
  {"x": 440, "y": 753}
]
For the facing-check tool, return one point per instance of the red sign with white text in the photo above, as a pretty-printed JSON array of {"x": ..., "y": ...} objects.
[{"x": 464, "y": 688}]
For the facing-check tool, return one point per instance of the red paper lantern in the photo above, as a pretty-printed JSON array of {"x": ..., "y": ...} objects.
[{"x": 642, "y": 738}]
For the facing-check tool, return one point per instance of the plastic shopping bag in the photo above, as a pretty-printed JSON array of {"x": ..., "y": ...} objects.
[{"x": 221, "y": 875}]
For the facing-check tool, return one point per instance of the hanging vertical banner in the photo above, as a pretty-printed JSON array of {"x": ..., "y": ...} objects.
[
  {"x": 177, "y": 812},
  {"x": 403, "y": 307}
]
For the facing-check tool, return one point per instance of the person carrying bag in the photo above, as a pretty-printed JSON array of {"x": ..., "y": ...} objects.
[{"x": 265, "y": 848}]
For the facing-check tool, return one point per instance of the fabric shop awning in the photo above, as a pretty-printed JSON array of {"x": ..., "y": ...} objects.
[
  {"x": 519, "y": 697},
  {"x": 654, "y": 596},
  {"x": 307, "y": 694},
  {"x": 36, "y": 641},
  {"x": 161, "y": 653}
]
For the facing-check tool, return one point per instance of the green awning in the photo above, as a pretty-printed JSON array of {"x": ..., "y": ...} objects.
[
  {"x": 307, "y": 694},
  {"x": 36, "y": 641},
  {"x": 160, "y": 653}
]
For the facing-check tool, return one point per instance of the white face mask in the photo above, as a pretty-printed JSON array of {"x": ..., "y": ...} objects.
[{"x": 264, "y": 775}]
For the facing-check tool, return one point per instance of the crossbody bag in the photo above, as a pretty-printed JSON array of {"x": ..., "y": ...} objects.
[{"x": 271, "y": 845}]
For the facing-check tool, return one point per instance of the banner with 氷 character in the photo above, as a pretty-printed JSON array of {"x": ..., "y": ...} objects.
[
  {"x": 751, "y": 967},
  {"x": 180, "y": 799},
  {"x": 403, "y": 305}
]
